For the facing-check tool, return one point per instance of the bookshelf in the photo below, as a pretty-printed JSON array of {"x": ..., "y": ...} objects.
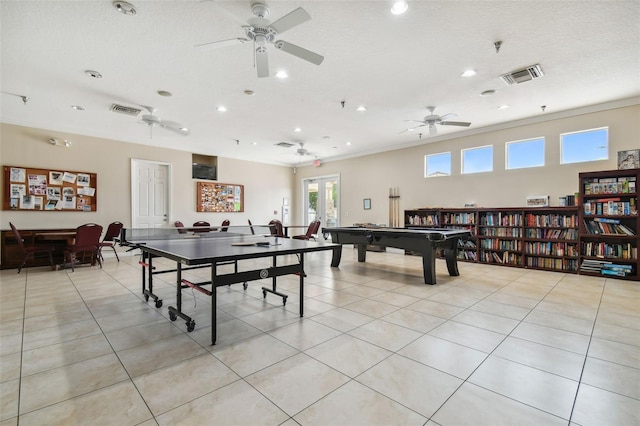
[
  {"x": 500, "y": 236},
  {"x": 544, "y": 238},
  {"x": 609, "y": 224},
  {"x": 465, "y": 219},
  {"x": 551, "y": 239}
]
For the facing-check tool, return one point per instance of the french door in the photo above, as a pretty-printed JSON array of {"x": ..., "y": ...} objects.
[{"x": 321, "y": 200}]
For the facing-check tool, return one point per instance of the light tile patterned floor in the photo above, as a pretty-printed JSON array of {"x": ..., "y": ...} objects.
[{"x": 494, "y": 346}]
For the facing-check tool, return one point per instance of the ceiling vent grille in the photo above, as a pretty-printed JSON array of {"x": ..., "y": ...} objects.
[
  {"x": 520, "y": 76},
  {"x": 284, "y": 144},
  {"x": 125, "y": 109}
]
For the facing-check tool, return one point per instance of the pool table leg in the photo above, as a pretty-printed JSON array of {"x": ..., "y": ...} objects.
[
  {"x": 429, "y": 265},
  {"x": 362, "y": 252},
  {"x": 450, "y": 253},
  {"x": 337, "y": 255}
]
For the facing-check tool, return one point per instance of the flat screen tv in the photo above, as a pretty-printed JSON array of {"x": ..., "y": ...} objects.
[{"x": 204, "y": 171}]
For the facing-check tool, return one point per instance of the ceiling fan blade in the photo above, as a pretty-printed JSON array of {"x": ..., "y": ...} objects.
[
  {"x": 300, "y": 52},
  {"x": 410, "y": 129},
  {"x": 432, "y": 130},
  {"x": 262, "y": 63},
  {"x": 290, "y": 20},
  {"x": 447, "y": 116},
  {"x": 455, "y": 123},
  {"x": 175, "y": 127},
  {"x": 416, "y": 121},
  {"x": 222, "y": 43}
]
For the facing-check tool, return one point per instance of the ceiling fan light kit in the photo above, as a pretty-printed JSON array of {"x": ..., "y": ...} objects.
[{"x": 432, "y": 119}]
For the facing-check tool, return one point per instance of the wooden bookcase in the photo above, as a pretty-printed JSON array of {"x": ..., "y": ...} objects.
[
  {"x": 544, "y": 238},
  {"x": 609, "y": 224}
]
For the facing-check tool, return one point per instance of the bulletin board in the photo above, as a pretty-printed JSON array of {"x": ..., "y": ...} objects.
[
  {"x": 34, "y": 189},
  {"x": 220, "y": 197}
]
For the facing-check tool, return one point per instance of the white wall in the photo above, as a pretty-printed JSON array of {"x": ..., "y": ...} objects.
[
  {"x": 371, "y": 176},
  {"x": 265, "y": 185}
]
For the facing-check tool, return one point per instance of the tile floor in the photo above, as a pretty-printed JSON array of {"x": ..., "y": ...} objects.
[{"x": 494, "y": 346}]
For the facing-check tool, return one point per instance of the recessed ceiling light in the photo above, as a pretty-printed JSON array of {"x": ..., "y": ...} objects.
[
  {"x": 399, "y": 7},
  {"x": 94, "y": 74},
  {"x": 326, "y": 137},
  {"x": 282, "y": 74},
  {"x": 361, "y": 108},
  {"x": 221, "y": 108},
  {"x": 254, "y": 143},
  {"x": 77, "y": 107},
  {"x": 124, "y": 7},
  {"x": 488, "y": 93},
  {"x": 297, "y": 129},
  {"x": 348, "y": 143},
  {"x": 469, "y": 73},
  {"x": 503, "y": 106},
  {"x": 165, "y": 93}
]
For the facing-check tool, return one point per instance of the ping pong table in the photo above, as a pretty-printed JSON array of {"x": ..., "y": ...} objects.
[
  {"x": 210, "y": 250},
  {"x": 423, "y": 241}
]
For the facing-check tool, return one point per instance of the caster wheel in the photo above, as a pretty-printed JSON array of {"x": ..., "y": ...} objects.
[
  {"x": 191, "y": 325},
  {"x": 172, "y": 316},
  {"x": 146, "y": 297},
  {"x": 158, "y": 303},
  {"x": 245, "y": 285}
]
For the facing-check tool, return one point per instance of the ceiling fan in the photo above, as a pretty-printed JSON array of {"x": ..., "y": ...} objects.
[
  {"x": 431, "y": 120},
  {"x": 153, "y": 120},
  {"x": 263, "y": 33},
  {"x": 302, "y": 151}
]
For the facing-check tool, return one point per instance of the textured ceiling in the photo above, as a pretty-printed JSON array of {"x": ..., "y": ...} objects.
[{"x": 394, "y": 65}]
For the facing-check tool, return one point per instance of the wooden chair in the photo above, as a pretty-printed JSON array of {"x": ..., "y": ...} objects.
[
  {"x": 202, "y": 226},
  {"x": 180, "y": 227},
  {"x": 32, "y": 250},
  {"x": 87, "y": 240},
  {"x": 225, "y": 225},
  {"x": 311, "y": 233},
  {"x": 113, "y": 231},
  {"x": 276, "y": 228}
]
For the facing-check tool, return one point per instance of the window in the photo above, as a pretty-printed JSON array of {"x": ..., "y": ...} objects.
[
  {"x": 437, "y": 164},
  {"x": 526, "y": 153},
  {"x": 476, "y": 160},
  {"x": 587, "y": 145}
]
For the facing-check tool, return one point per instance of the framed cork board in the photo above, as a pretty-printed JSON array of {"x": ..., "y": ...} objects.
[
  {"x": 35, "y": 189},
  {"x": 219, "y": 197}
]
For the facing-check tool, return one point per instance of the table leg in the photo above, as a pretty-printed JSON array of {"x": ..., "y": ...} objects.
[
  {"x": 429, "y": 264},
  {"x": 302, "y": 284},
  {"x": 214, "y": 303},
  {"x": 362, "y": 252},
  {"x": 450, "y": 252},
  {"x": 337, "y": 255}
]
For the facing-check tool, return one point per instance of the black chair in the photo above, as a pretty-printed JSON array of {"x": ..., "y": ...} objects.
[
  {"x": 202, "y": 226},
  {"x": 87, "y": 241},
  {"x": 31, "y": 251},
  {"x": 113, "y": 231},
  {"x": 276, "y": 228},
  {"x": 225, "y": 225},
  {"x": 311, "y": 233}
]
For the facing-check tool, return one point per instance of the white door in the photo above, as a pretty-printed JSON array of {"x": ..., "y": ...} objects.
[
  {"x": 150, "y": 193},
  {"x": 321, "y": 198}
]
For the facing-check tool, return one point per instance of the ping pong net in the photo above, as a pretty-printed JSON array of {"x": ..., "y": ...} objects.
[{"x": 132, "y": 236}]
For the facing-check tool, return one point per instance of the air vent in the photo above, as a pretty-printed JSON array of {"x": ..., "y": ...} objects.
[
  {"x": 284, "y": 144},
  {"x": 520, "y": 76},
  {"x": 125, "y": 109}
]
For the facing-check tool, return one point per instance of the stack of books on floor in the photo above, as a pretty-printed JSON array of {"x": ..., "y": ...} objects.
[{"x": 593, "y": 266}]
